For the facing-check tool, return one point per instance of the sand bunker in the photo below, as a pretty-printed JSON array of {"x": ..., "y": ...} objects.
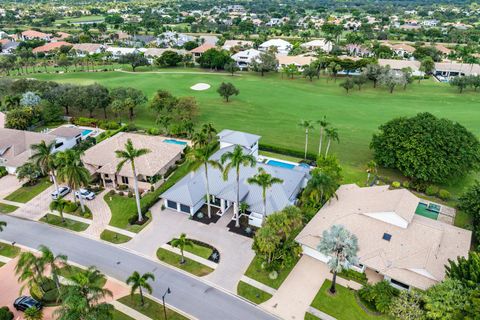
[{"x": 200, "y": 87}]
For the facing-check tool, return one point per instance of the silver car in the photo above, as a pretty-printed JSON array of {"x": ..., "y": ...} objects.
[
  {"x": 62, "y": 192},
  {"x": 85, "y": 194}
]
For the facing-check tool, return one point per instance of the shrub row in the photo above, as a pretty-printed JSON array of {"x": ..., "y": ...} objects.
[
  {"x": 287, "y": 152},
  {"x": 92, "y": 122},
  {"x": 429, "y": 190}
]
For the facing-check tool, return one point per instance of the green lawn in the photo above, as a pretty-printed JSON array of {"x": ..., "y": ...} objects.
[
  {"x": 190, "y": 266},
  {"x": 309, "y": 316},
  {"x": 256, "y": 272},
  {"x": 151, "y": 308},
  {"x": 68, "y": 224},
  {"x": 272, "y": 107},
  {"x": 117, "y": 315},
  {"x": 2, "y": 264},
  {"x": 122, "y": 209},
  {"x": 27, "y": 193},
  {"x": 7, "y": 208},
  {"x": 114, "y": 237},
  {"x": 68, "y": 271},
  {"x": 342, "y": 305},
  {"x": 252, "y": 293},
  {"x": 199, "y": 250},
  {"x": 80, "y": 19},
  {"x": 7, "y": 250}
]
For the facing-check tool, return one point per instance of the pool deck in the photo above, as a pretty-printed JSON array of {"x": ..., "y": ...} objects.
[{"x": 446, "y": 214}]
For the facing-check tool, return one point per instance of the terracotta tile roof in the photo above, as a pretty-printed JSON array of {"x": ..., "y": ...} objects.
[
  {"x": 35, "y": 34},
  {"x": 50, "y": 46},
  {"x": 201, "y": 49}
]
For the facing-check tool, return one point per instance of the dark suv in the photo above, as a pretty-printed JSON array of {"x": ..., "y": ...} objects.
[{"x": 24, "y": 302}]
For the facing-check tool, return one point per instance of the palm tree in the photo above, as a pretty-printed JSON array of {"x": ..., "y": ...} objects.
[
  {"x": 323, "y": 125},
  {"x": 72, "y": 172},
  {"x": 202, "y": 154},
  {"x": 30, "y": 269},
  {"x": 237, "y": 158},
  {"x": 200, "y": 139},
  {"x": 129, "y": 155},
  {"x": 140, "y": 282},
  {"x": 306, "y": 125},
  {"x": 209, "y": 130},
  {"x": 33, "y": 313},
  {"x": 3, "y": 224},
  {"x": 332, "y": 134},
  {"x": 54, "y": 262},
  {"x": 59, "y": 205},
  {"x": 181, "y": 243},
  {"x": 320, "y": 188},
  {"x": 371, "y": 168},
  {"x": 243, "y": 207},
  {"x": 265, "y": 181},
  {"x": 342, "y": 247}
]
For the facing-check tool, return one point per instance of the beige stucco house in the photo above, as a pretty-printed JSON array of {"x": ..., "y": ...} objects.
[
  {"x": 395, "y": 243},
  {"x": 102, "y": 160}
]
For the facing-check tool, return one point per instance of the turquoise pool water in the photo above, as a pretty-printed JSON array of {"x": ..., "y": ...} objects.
[
  {"x": 281, "y": 164},
  {"x": 173, "y": 141},
  {"x": 86, "y": 132},
  {"x": 424, "y": 210}
]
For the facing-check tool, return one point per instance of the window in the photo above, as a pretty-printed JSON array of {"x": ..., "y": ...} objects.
[
  {"x": 172, "y": 204},
  {"x": 124, "y": 180},
  {"x": 400, "y": 284},
  {"x": 184, "y": 208},
  {"x": 387, "y": 236}
]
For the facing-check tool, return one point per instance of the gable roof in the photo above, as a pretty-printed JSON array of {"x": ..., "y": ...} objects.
[
  {"x": 243, "y": 139},
  {"x": 202, "y": 48},
  {"x": 50, "y": 46},
  {"x": 35, "y": 34},
  {"x": 66, "y": 132},
  {"x": 415, "y": 254}
]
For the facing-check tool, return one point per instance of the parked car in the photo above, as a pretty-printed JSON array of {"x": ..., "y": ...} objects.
[
  {"x": 62, "y": 192},
  {"x": 85, "y": 194},
  {"x": 24, "y": 302}
]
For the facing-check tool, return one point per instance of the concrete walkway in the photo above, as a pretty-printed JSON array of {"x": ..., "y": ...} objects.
[
  {"x": 101, "y": 215},
  {"x": 258, "y": 285},
  {"x": 4, "y": 259},
  {"x": 235, "y": 250},
  {"x": 12, "y": 203},
  {"x": 319, "y": 314},
  {"x": 36, "y": 208},
  {"x": 297, "y": 292},
  {"x": 134, "y": 314}
]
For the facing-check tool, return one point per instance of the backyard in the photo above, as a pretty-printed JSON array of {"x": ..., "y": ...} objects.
[{"x": 272, "y": 107}]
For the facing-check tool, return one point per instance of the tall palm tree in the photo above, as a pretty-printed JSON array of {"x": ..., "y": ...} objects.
[
  {"x": 72, "y": 172},
  {"x": 202, "y": 154},
  {"x": 306, "y": 125},
  {"x": 236, "y": 159},
  {"x": 59, "y": 205},
  {"x": 3, "y": 224},
  {"x": 44, "y": 157},
  {"x": 200, "y": 139},
  {"x": 30, "y": 269},
  {"x": 54, "y": 262},
  {"x": 320, "y": 188},
  {"x": 332, "y": 135},
  {"x": 33, "y": 313},
  {"x": 129, "y": 155},
  {"x": 265, "y": 181},
  {"x": 209, "y": 130},
  {"x": 140, "y": 282},
  {"x": 342, "y": 247},
  {"x": 181, "y": 243},
  {"x": 323, "y": 125}
]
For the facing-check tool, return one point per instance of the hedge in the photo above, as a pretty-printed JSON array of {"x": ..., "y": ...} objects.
[{"x": 287, "y": 152}]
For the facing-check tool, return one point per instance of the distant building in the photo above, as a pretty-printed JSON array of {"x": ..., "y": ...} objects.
[
  {"x": 245, "y": 58},
  {"x": 318, "y": 44},
  {"x": 281, "y": 46}
]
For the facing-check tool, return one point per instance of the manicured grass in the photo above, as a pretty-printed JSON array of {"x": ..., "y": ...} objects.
[
  {"x": 190, "y": 266},
  {"x": 68, "y": 271},
  {"x": 256, "y": 272},
  {"x": 199, "y": 250},
  {"x": 342, "y": 305},
  {"x": 80, "y": 19},
  {"x": 272, "y": 107},
  {"x": 2, "y": 264},
  {"x": 123, "y": 208},
  {"x": 463, "y": 220},
  {"x": 7, "y": 208},
  {"x": 114, "y": 237},
  {"x": 252, "y": 293},
  {"x": 309, "y": 316},
  {"x": 279, "y": 156},
  {"x": 151, "y": 309},
  {"x": 68, "y": 224},
  {"x": 27, "y": 193},
  {"x": 117, "y": 315},
  {"x": 7, "y": 250}
]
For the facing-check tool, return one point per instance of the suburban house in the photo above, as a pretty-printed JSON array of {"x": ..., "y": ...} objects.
[
  {"x": 402, "y": 49},
  {"x": 282, "y": 47},
  {"x": 188, "y": 195},
  {"x": 35, "y": 35},
  {"x": 242, "y": 44},
  {"x": 101, "y": 160},
  {"x": 318, "y": 44},
  {"x": 8, "y": 47},
  {"x": 357, "y": 50},
  {"x": 452, "y": 69},
  {"x": 398, "y": 65},
  {"x": 397, "y": 240},
  {"x": 48, "y": 47},
  {"x": 198, "y": 51},
  {"x": 300, "y": 61},
  {"x": 152, "y": 53},
  {"x": 245, "y": 58},
  {"x": 118, "y": 52},
  {"x": 85, "y": 49},
  {"x": 173, "y": 39},
  {"x": 15, "y": 145},
  {"x": 60, "y": 36}
]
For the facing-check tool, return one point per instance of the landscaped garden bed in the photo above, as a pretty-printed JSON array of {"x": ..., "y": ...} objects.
[
  {"x": 244, "y": 230},
  {"x": 9, "y": 251},
  {"x": 151, "y": 308},
  {"x": 252, "y": 293},
  {"x": 68, "y": 224},
  {"x": 190, "y": 266},
  {"x": 114, "y": 237},
  {"x": 26, "y": 193},
  {"x": 203, "y": 250},
  {"x": 7, "y": 208},
  {"x": 202, "y": 215}
]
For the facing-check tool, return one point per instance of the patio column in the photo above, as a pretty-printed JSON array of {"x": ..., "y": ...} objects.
[
  {"x": 235, "y": 208},
  {"x": 103, "y": 180},
  {"x": 222, "y": 205}
]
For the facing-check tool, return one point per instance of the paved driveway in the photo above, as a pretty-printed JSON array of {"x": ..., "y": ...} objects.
[
  {"x": 189, "y": 293},
  {"x": 235, "y": 250},
  {"x": 37, "y": 207},
  {"x": 8, "y": 184}
]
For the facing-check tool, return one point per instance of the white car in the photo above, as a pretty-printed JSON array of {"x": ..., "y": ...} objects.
[
  {"x": 85, "y": 194},
  {"x": 62, "y": 192}
]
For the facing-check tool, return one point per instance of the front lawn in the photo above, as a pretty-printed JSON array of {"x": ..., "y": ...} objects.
[
  {"x": 309, "y": 316},
  {"x": 7, "y": 250},
  {"x": 68, "y": 271},
  {"x": 199, "y": 250},
  {"x": 117, "y": 315},
  {"x": 123, "y": 208},
  {"x": 114, "y": 237},
  {"x": 190, "y": 266},
  {"x": 342, "y": 305},
  {"x": 26, "y": 193},
  {"x": 256, "y": 272},
  {"x": 68, "y": 224},
  {"x": 252, "y": 293},
  {"x": 151, "y": 309},
  {"x": 7, "y": 208}
]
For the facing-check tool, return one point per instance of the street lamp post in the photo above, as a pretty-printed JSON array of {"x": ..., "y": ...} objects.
[{"x": 163, "y": 300}]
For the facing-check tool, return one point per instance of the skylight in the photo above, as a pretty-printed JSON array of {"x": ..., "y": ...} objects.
[{"x": 387, "y": 236}]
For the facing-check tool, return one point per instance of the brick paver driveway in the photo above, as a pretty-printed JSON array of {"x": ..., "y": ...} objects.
[
  {"x": 235, "y": 250},
  {"x": 8, "y": 184}
]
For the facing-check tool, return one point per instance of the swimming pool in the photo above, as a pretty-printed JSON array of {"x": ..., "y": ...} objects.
[
  {"x": 173, "y": 141},
  {"x": 86, "y": 132},
  {"x": 281, "y": 164},
  {"x": 427, "y": 211}
]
